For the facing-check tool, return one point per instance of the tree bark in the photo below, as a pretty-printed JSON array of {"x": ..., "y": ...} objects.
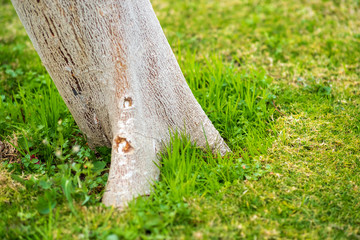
[{"x": 116, "y": 72}]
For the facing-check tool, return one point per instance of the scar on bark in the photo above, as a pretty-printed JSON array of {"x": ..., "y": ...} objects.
[
  {"x": 127, "y": 102},
  {"x": 127, "y": 148}
]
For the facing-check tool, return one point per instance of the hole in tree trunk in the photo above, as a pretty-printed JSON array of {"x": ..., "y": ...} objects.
[
  {"x": 123, "y": 144},
  {"x": 127, "y": 102}
]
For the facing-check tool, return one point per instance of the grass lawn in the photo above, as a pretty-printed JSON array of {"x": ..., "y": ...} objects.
[{"x": 280, "y": 80}]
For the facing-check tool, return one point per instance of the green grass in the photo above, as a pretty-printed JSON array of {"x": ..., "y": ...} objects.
[{"x": 279, "y": 80}]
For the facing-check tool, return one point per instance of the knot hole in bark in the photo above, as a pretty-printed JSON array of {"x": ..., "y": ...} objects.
[
  {"x": 123, "y": 145},
  {"x": 127, "y": 102}
]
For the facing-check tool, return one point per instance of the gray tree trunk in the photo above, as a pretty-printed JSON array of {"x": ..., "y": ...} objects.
[{"x": 116, "y": 72}]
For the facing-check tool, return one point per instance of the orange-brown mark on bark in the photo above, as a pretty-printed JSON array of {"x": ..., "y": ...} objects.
[
  {"x": 127, "y": 102},
  {"x": 119, "y": 53},
  {"x": 121, "y": 69},
  {"x": 119, "y": 140},
  {"x": 126, "y": 148}
]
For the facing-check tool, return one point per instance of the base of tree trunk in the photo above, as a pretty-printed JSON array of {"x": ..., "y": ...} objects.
[{"x": 116, "y": 72}]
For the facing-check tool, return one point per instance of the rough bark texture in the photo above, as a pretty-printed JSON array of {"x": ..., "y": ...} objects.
[{"x": 116, "y": 72}]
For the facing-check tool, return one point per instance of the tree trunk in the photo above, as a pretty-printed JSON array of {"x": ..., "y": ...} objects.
[{"x": 116, "y": 72}]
